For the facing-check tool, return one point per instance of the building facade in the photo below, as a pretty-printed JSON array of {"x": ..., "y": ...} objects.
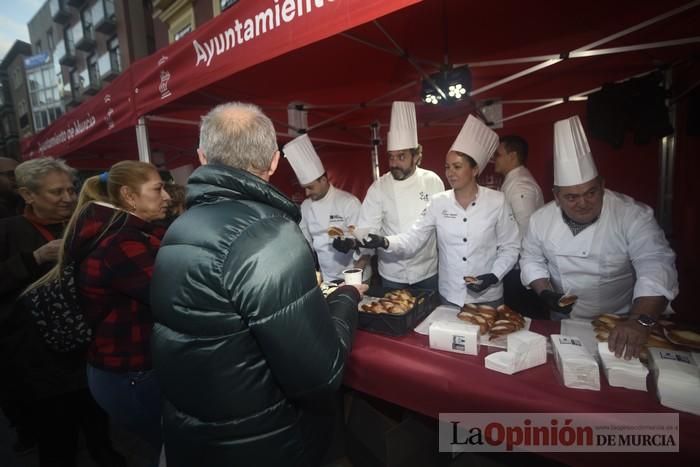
[
  {"x": 15, "y": 110},
  {"x": 173, "y": 19}
]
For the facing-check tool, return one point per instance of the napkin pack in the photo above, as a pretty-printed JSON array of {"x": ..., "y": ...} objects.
[
  {"x": 630, "y": 374},
  {"x": 677, "y": 379},
  {"x": 454, "y": 337},
  {"x": 525, "y": 349},
  {"x": 577, "y": 367}
]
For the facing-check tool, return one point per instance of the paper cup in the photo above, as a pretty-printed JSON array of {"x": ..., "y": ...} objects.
[{"x": 353, "y": 276}]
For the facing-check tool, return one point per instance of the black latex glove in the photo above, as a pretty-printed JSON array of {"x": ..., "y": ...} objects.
[
  {"x": 487, "y": 280},
  {"x": 344, "y": 245},
  {"x": 376, "y": 241},
  {"x": 551, "y": 299}
]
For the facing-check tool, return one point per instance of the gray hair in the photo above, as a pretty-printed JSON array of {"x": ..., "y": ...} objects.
[
  {"x": 30, "y": 173},
  {"x": 238, "y": 135}
]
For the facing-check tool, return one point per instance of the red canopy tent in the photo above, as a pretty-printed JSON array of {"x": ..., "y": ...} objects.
[{"x": 346, "y": 60}]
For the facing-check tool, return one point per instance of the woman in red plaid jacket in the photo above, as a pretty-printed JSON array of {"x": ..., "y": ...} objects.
[{"x": 114, "y": 223}]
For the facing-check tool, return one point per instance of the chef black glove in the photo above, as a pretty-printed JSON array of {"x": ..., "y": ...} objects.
[
  {"x": 376, "y": 241},
  {"x": 551, "y": 299},
  {"x": 487, "y": 280},
  {"x": 344, "y": 245}
]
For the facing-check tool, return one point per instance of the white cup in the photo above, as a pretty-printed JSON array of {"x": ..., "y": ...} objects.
[{"x": 353, "y": 276}]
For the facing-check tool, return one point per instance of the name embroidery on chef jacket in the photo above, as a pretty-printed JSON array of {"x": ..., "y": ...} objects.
[
  {"x": 336, "y": 218},
  {"x": 449, "y": 215},
  {"x": 424, "y": 196}
]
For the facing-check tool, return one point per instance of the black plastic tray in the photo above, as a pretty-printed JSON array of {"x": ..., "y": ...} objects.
[{"x": 399, "y": 325}]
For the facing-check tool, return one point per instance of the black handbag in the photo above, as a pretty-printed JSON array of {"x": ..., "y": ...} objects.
[{"x": 55, "y": 307}]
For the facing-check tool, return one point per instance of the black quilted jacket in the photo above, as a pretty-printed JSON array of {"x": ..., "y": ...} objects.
[{"x": 246, "y": 349}]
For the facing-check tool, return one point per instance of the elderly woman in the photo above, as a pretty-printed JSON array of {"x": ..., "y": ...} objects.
[
  {"x": 114, "y": 222},
  {"x": 478, "y": 239},
  {"x": 51, "y": 387}
]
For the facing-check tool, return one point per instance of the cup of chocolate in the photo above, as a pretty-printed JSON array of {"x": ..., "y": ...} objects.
[{"x": 353, "y": 276}]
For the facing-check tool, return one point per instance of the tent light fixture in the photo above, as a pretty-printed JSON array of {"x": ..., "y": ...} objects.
[{"x": 456, "y": 83}]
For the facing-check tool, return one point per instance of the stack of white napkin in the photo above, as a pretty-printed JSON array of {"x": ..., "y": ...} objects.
[
  {"x": 525, "y": 350},
  {"x": 677, "y": 379},
  {"x": 631, "y": 374},
  {"x": 577, "y": 367},
  {"x": 458, "y": 337}
]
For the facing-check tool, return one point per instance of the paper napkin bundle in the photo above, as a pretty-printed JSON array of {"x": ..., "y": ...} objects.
[
  {"x": 525, "y": 349},
  {"x": 577, "y": 367},
  {"x": 631, "y": 374}
]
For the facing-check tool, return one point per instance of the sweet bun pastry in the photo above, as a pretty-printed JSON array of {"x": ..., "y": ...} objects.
[
  {"x": 567, "y": 300},
  {"x": 334, "y": 231}
]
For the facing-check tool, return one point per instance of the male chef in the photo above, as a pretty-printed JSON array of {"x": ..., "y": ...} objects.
[
  {"x": 325, "y": 206},
  {"x": 524, "y": 196},
  {"x": 396, "y": 200},
  {"x": 599, "y": 245}
]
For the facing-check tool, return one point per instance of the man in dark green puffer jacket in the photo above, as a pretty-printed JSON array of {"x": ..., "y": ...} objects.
[{"x": 247, "y": 351}]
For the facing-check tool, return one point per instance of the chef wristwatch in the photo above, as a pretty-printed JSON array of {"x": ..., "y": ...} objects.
[{"x": 646, "y": 321}]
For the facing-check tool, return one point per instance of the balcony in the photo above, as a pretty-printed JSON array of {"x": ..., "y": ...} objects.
[
  {"x": 103, "y": 16},
  {"x": 108, "y": 66},
  {"x": 65, "y": 55},
  {"x": 69, "y": 94},
  {"x": 76, "y": 3},
  {"x": 83, "y": 36},
  {"x": 59, "y": 11},
  {"x": 88, "y": 84}
]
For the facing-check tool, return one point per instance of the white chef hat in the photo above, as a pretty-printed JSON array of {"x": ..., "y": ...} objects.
[
  {"x": 403, "y": 129},
  {"x": 303, "y": 158},
  {"x": 476, "y": 140},
  {"x": 573, "y": 163}
]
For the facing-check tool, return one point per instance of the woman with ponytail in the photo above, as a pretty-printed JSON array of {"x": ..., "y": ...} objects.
[{"x": 115, "y": 222}]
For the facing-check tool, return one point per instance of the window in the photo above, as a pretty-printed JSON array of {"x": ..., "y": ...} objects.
[
  {"x": 49, "y": 39},
  {"x": 70, "y": 45},
  {"x": 182, "y": 32},
  {"x": 93, "y": 72},
  {"x": 221, "y": 5},
  {"x": 180, "y": 22},
  {"x": 113, "y": 48},
  {"x": 37, "y": 47},
  {"x": 17, "y": 78},
  {"x": 86, "y": 18}
]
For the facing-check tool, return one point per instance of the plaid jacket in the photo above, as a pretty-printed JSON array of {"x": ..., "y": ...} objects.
[{"x": 114, "y": 282}]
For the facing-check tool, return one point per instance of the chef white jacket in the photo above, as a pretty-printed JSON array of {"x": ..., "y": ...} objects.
[
  {"x": 481, "y": 239},
  {"x": 523, "y": 194},
  {"x": 391, "y": 207},
  {"x": 338, "y": 208},
  {"x": 622, "y": 256}
]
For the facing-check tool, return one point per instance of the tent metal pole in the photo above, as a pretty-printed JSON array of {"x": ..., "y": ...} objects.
[
  {"x": 639, "y": 26},
  {"x": 635, "y": 48},
  {"x": 360, "y": 106},
  {"x": 375, "y": 150},
  {"x": 529, "y": 111},
  {"x": 410, "y": 60},
  {"x": 142, "y": 140},
  {"x": 156, "y": 118},
  {"x": 326, "y": 140},
  {"x": 667, "y": 153},
  {"x": 385, "y": 49},
  {"x": 517, "y": 75}
]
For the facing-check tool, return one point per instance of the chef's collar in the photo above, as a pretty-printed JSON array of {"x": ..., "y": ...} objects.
[
  {"x": 577, "y": 227},
  {"x": 512, "y": 173},
  {"x": 473, "y": 203}
]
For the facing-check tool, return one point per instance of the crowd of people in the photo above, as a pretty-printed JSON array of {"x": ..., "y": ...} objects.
[{"x": 210, "y": 335}]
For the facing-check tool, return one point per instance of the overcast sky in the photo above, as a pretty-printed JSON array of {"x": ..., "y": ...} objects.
[{"x": 14, "y": 16}]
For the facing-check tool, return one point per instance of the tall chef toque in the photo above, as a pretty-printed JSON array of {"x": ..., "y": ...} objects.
[
  {"x": 403, "y": 129},
  {"x": 476, "y": 140},
  {"x": 573, "y": 163},
  {"x": 303, "y": 158}
]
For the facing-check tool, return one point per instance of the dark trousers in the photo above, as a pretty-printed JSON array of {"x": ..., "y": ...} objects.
[
  {"x": 59, "y": 421},
  {"x": 520, "y": 299}
]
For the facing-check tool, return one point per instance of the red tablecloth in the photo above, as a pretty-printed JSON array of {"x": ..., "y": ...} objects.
[{"x": 406, "y": 372}]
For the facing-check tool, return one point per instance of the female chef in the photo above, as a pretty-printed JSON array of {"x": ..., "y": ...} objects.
[{"x": 477, "y": 234}]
